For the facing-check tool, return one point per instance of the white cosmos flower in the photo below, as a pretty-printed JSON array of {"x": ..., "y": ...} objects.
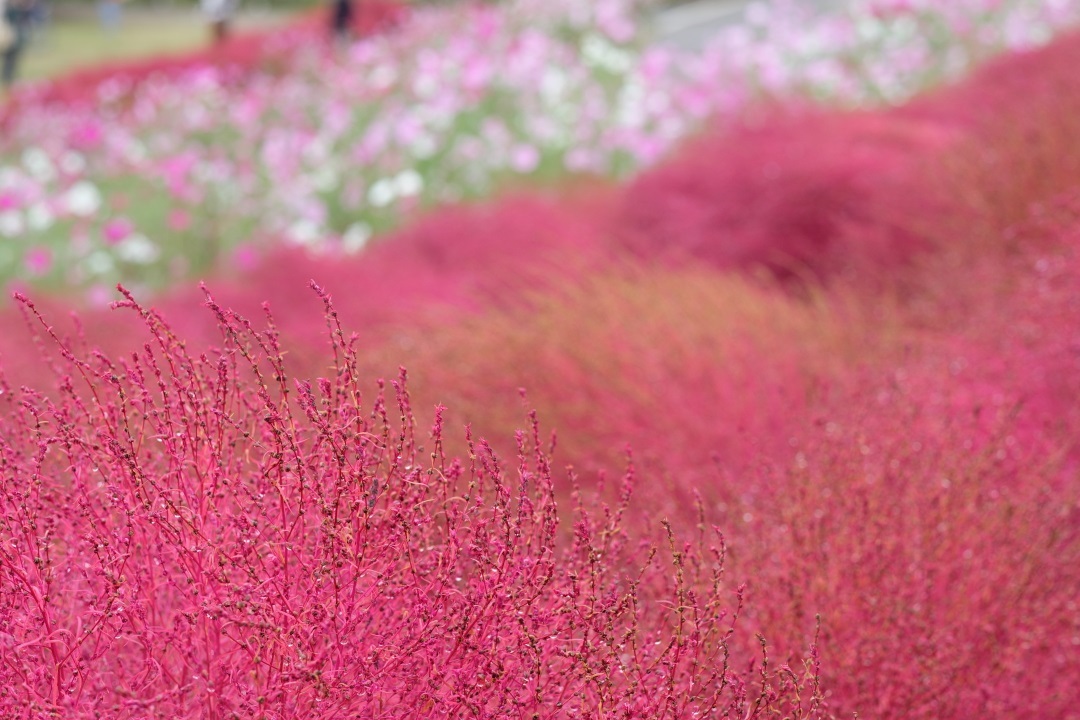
[
  {"x": 11, "y": 223},
  {"x": 138, "y": 249},
  {"x": 325, "y": 179},
  {"x": 37, "y": 163},
  {"x": 136, "y": 151},
  {"x": 599, "y": 52},
  {"x": 424, "y": 146},
  {"x": 83, "y": 199},
  {"x": 553, "y": 84},
  {"x": 408, "y": 183},
  {"x": 72, "y": 163},
  {"x": 10, "y": 177},
  {"x": 382, "y": 192},
  {"x": 356, "y": 237},
  {"x": 39, "y": 217},
  {"x": 304, "y": 232},
  {"x": 99, "y": 263},
  {"x": 382, "y": 77}
]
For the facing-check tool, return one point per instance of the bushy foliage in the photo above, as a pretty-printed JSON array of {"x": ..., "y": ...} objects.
[
  {"x": 207, "y": 537},
  {"x": 806, "y": 196}
]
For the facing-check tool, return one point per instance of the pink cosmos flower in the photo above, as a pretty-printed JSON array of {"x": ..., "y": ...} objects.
[
  {"x": 99, "y": 296},
  {"x": 38, "y": 260},
  {"x": 179, "y": 220},
  {"x": 117, "y": 230},
  {"x": 87, "y": 136},
  {"x": 524, "y": 158},
  {"x": 176, "y": 172},
  {"x": 8, "y": 200},
  {"x": 245, "y": 257}
]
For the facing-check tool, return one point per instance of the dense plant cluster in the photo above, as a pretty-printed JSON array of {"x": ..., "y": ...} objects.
[{"x": 201, "y": 537}]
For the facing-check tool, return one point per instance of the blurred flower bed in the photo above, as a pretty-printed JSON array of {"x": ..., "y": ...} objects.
[{"x": 161, "y": 171}]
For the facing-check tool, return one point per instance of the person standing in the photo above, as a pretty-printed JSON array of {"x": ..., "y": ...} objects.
[
  {"x": 220, "y": 14},
  {"x": 7, "y": 33},
  {"x": 18, "y": 14},
  {"x": 341, "y": 20}
]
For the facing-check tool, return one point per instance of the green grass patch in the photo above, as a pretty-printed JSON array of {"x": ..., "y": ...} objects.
[{"x": 69, "y": 45}]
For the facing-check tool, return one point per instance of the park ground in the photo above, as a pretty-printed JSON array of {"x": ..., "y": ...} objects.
[{"x": 77, "y": 40}]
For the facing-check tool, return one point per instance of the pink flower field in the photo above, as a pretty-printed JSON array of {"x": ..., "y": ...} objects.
[{"x": 776, "y": 420}]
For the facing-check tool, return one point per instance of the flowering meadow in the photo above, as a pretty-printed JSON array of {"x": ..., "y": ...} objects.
[
  {"x": 167, "y": 169},
  {"x": 543, "y": 372}
]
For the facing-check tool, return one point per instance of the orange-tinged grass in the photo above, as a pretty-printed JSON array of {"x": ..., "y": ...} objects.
[{"x": 659, "y": 347}]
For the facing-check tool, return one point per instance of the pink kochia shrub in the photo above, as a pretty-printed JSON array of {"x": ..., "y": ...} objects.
[
  {"x": 862, "y": 194},
  {"x": 206, "y": 537},
  {"x": 917, "y": 489},
  {"x": 461, "y": 259},
  {"x": 816, "y": 194},
  {"x": 456, "y": 262}
]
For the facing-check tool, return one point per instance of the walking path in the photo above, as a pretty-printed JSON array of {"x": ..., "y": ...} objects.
[{"x": 691, "y": 25}]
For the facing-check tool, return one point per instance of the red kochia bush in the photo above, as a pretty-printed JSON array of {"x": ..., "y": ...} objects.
[
  {"x": 816, "y": 194},
  {"x": 454, "y": 263},
  {"x": 862, "y": 193},
  {"x": 204, "y": 537},
  {"x": 463, "y": 258}
]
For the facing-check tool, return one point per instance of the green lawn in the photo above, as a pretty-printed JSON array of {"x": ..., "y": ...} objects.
[{"x": 74, "y": 44}]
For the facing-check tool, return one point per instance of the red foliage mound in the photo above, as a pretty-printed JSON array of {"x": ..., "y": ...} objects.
[
  {"x": 914, "y": 484},
  {"x": 863, "y": 193},
  {"x": 204, "y": 537},
  {"x": 804, "y": 195},
  {"x": 1007, "y": 86},
  {"x": 458, "y": 259}
]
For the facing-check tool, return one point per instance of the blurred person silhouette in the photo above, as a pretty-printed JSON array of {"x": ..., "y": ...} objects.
[
  {"x": 18, "y": 16},
  {"x": 7, "y": 33},
  {"x": 341, "y": 21},
  {"x": 220, "y": 14}
]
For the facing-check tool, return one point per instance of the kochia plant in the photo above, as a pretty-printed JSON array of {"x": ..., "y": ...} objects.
[{"x": 199, "y": 535}]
